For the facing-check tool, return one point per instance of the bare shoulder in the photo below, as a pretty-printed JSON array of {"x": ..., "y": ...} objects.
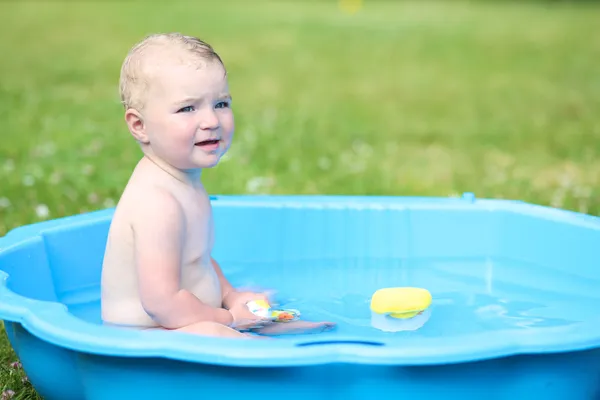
[{"x": 156, "y": 208}]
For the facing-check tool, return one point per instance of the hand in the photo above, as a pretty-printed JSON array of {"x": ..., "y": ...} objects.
[
  {"x": 244, "y": 319},
  {"x": 236, "y": 298}
]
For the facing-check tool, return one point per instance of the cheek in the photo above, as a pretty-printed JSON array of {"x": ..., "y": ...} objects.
[
  {"x": 180, "y": 129},
  {"x": 227, "y": 123},
  {"x": 173, "y": 134}
]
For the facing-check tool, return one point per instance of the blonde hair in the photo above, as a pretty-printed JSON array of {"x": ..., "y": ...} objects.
[{"x": 135, "y": 75}]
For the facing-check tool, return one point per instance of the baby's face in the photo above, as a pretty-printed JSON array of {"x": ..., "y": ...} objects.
[{"x": 188, "y": 116}]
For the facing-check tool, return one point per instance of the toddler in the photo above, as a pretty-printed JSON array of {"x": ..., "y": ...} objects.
[{"x": 158, "y": 272}]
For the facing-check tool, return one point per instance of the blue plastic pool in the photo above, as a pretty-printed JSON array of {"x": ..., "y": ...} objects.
[{"x": 514, "y": 314}]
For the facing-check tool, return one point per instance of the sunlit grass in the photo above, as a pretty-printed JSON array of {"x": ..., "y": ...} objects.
[{"x": 401, "y": 98}]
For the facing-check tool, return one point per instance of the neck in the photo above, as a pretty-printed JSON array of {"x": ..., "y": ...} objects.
[{"x": 188, "y": 177}]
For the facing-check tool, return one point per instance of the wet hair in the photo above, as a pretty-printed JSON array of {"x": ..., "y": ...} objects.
[{"x": 136, "y": 71}]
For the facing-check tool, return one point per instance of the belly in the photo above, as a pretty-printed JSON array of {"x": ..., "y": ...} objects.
[{"x": 200, "y": 279}]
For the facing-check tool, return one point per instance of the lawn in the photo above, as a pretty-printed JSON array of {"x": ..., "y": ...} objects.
[{"x": 399, "y": 98}]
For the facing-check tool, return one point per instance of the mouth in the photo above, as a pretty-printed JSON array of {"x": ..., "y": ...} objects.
[{"x": 210, "y": 142}]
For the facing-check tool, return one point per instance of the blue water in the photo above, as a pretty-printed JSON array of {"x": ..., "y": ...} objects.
[{"x": 469, "y": 295}]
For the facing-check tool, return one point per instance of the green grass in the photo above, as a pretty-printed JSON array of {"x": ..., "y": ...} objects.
[{"x": 401, "y": 98}]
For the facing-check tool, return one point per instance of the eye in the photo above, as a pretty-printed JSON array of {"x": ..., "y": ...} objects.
[
  {"x": 222, "y": 104},
  {"x": 186, "y": 109}
]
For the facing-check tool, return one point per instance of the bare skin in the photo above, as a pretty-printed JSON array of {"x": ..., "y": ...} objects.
[
  {"x": 158, "y": 272},
  {"x": 150, "y": 296}
]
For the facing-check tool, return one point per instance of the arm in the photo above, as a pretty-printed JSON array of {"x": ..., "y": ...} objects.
[
  {"x": 227, "y": 290},
  {"x": 158, "y": 231}
]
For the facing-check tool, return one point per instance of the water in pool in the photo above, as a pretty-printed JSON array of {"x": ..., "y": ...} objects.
[{"x": 469, "y": 295}]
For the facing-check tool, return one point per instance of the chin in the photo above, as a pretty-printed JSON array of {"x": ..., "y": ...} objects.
[{"x": 209, "y": 163}]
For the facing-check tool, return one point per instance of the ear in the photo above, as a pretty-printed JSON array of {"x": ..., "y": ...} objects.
[{"x": 135, "y": 123}]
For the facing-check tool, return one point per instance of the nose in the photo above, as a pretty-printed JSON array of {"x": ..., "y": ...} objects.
[{"x": 209, "y": 120}]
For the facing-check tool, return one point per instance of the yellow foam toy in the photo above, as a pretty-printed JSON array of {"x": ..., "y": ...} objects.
[{"x": 400, "y": 308}]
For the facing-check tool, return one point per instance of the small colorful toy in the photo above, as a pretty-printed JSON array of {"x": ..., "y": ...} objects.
[
  {"x": 264, "y": 310},
  {"x": 400, "y": 309}
]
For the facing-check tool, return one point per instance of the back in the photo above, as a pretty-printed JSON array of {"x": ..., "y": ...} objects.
[{"x": 120, "y": 295}]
